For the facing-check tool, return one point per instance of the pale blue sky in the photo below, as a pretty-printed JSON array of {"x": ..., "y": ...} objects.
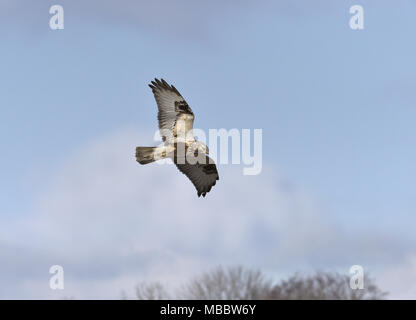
[{"x": 337, "y": 106}]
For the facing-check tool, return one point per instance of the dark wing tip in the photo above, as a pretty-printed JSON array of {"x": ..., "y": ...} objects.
[
  {"x": 174, "y": 89},
  {"x": 163, "y": 85},
  {"x": 160, "y": 84}
]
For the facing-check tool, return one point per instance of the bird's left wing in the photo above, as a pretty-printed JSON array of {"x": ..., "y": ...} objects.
[
  {"x": 203, "y": 176},
  {"x": 172, "y": 109}
]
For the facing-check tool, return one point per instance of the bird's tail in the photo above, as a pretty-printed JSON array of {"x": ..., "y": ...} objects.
[{"x": 145, "y": 155}]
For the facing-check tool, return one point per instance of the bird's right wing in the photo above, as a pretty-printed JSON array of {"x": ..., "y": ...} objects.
[
  {"x": 203, "y": 176},
  {"x": 172, "y": 109}
]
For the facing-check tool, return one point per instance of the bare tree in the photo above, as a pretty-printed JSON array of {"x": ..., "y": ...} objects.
[
  {"x": 324, "y": 286},
  {"x": 151, "y": 291},
  {"x": 237, "y": 283},
  {"x": 234, "y": 283}
]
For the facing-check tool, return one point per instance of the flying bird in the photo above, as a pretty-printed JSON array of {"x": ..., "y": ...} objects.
[{"x": 176, "y": 121}]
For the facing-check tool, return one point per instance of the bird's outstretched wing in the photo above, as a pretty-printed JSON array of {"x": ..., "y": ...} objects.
[
  {"x": 172, "y": 108},
  {"x": 203, "y": 176}
]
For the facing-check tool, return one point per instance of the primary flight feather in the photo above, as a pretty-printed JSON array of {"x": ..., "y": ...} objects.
[{"x": 176, "y": 121}]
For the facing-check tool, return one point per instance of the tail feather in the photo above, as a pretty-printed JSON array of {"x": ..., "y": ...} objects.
[{"x": 145, "y": 155}]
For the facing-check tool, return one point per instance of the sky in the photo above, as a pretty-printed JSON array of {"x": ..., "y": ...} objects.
[{"x": 336, "y": 107}]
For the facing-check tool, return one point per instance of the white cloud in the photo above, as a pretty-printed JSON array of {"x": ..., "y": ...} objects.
[{"x": 111, "y": 223}]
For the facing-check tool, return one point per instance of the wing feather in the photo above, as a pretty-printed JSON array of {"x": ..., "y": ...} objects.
[
  {"x": 202, "y": 176},
  {"x": 172, "y": 107}
]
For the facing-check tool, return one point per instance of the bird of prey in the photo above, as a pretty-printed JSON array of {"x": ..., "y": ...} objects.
[{"x": 176, "y": 121}]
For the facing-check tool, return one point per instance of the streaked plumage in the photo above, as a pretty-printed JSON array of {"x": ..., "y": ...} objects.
[{"x": 176, "y": 121}]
